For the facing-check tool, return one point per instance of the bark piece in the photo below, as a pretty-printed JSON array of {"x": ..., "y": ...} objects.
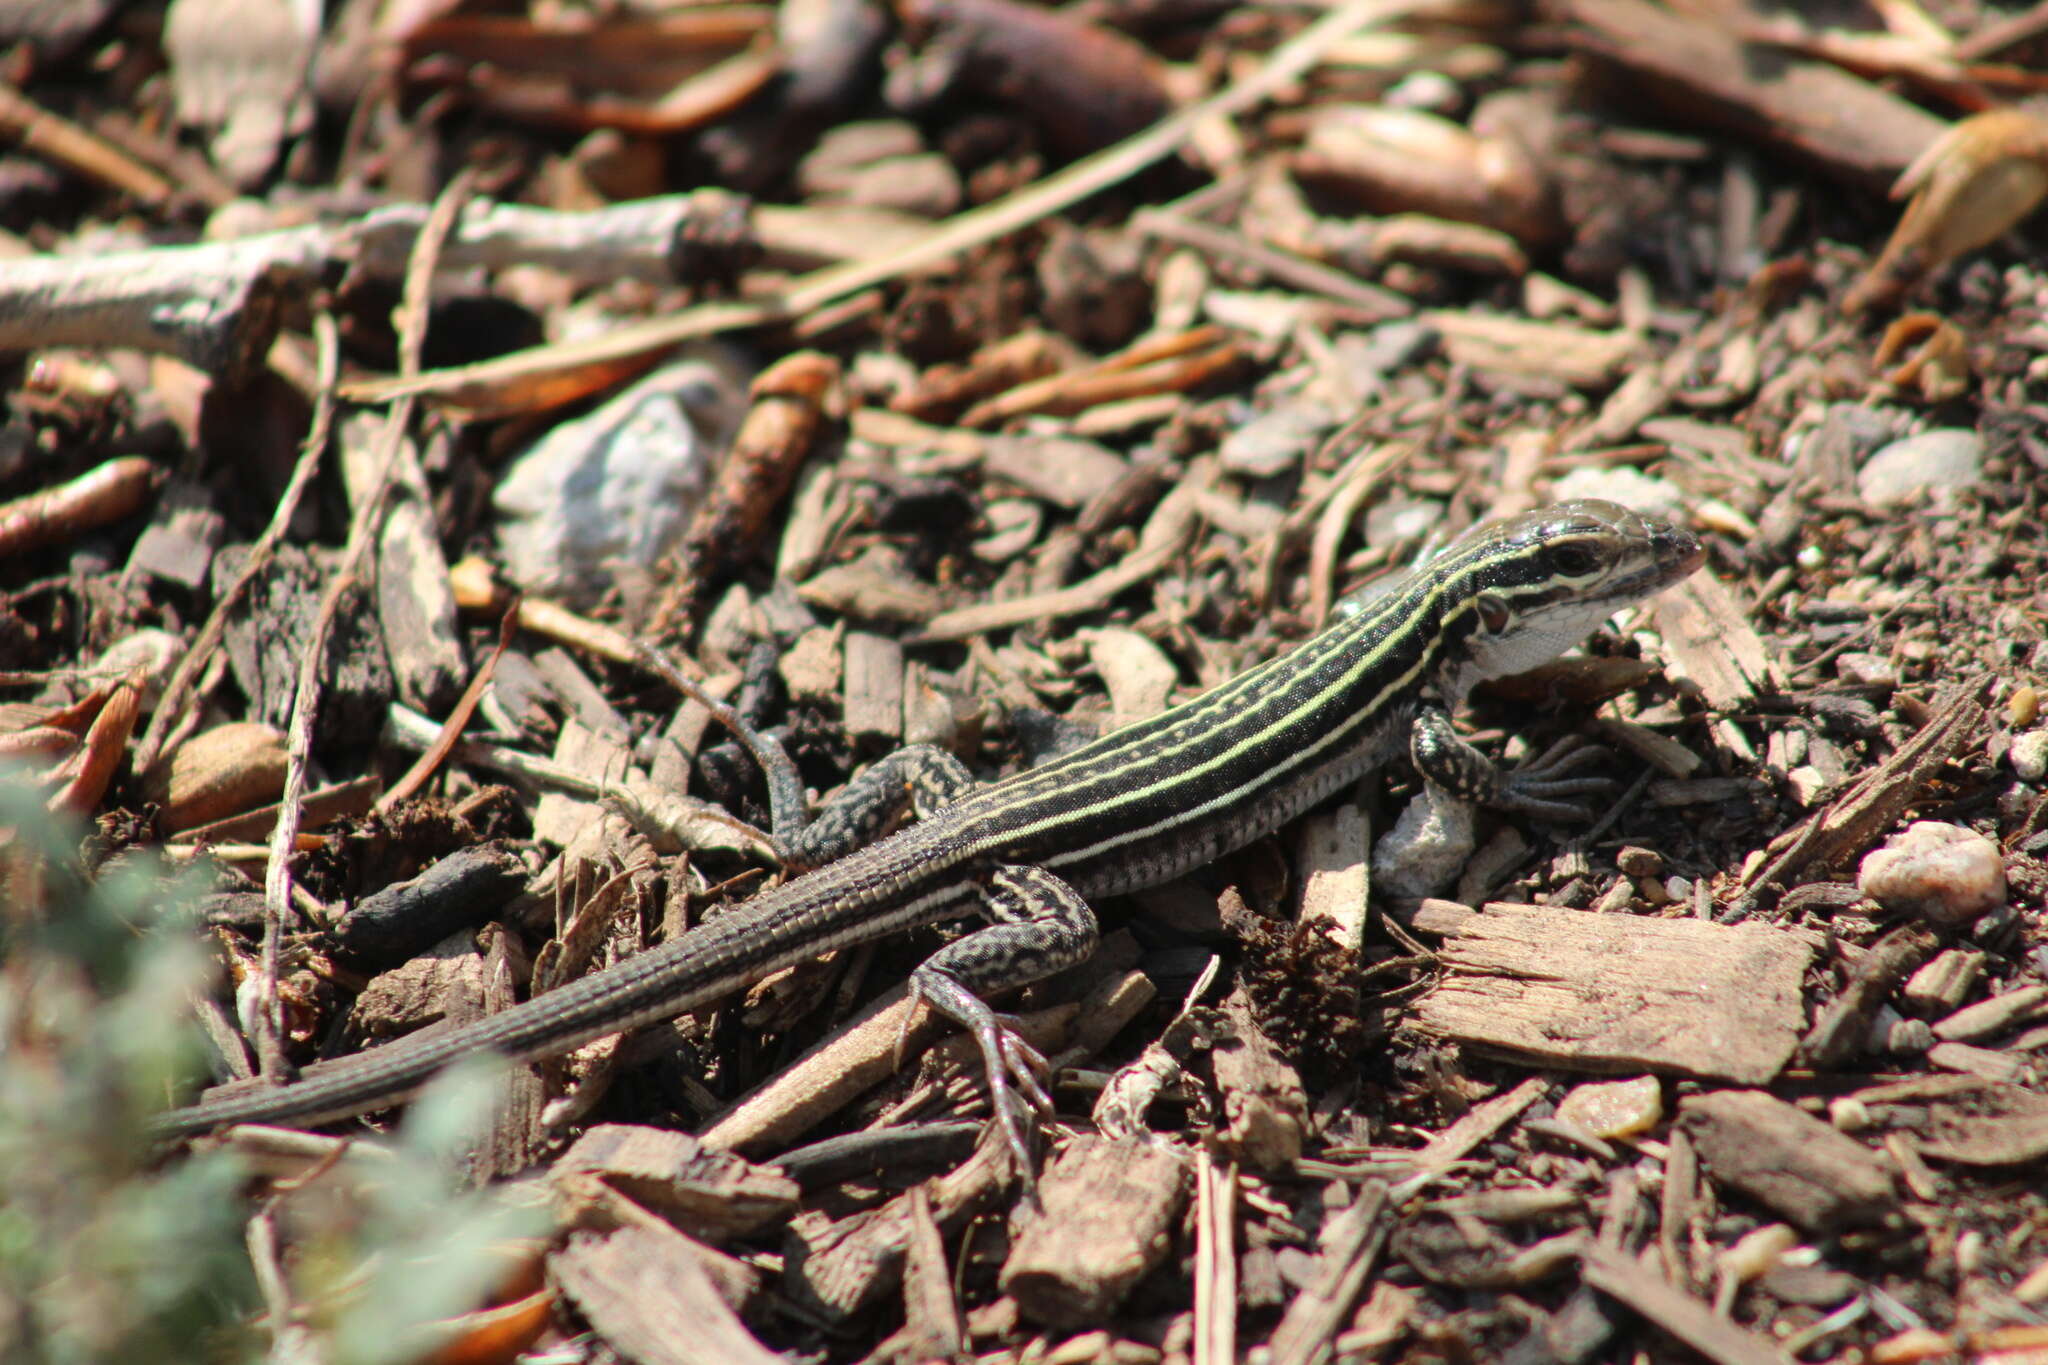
[
  {"x": 652, "y": 1301},
  {"x": 1345, "y": 1252},
  {"x": 270, "y": 635},
  {"x": 180, "y": 540},
  {"x": 1842, "y": 1028},
  {"x": 447, "y": 983},
  {"x": 1110, "y": 1207},
  {"x": 1265, "y": 1108},
  {"x": 1617, "y": 993},
  {"x": 415, "y": 604},
  {"x": 461, "y": 891},
  {"x": 1846, "y": 826},
  {"x": 838, "y": 1268},
  {"x": 709, "y": 1194},
  {"x": 1082, "y": 85},
  {"x": 874, "y": 687},
  {"x": 1710, "y": 642},
  {"x": 1691, "y": 1321},
  {"x": 1963, "y": 1119},
  {"x": 1788, "y": 1161}
]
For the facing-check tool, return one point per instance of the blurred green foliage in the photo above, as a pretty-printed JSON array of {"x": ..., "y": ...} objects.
[{"x": 111, "y": 1250}]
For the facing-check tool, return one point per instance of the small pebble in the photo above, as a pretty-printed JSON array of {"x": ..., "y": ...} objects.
[
  {"x": 1935, "y": 465},
  {"x": 1430, "y": 91},
  {"x": 2023, "y": 706},
  {"x": 1614, "y": 1109},
  {"x": 1849, "y": 1115},
  {"x": 2029, "y": 755},
  {"x": 1756, "y": 1252},
  {"x": 1869, "y": 670},
  {"x": 1945, "y": 873},
  {"x": 1639, "y": 862}
]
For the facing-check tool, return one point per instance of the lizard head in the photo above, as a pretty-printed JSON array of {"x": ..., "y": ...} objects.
[{"x": 1525, "y": 589}]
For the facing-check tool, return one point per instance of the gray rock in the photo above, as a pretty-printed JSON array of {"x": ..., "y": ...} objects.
[
  {"x": 1933, "y": 466},
  {"x": 618, "y": 486}
]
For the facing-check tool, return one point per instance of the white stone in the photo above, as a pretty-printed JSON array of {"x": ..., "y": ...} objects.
[{"x": 1943, "y": 872}]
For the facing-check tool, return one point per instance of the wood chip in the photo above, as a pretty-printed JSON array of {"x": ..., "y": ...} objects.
[
  {"x": 710, "y": 1194},
  {"x": 652, "y": 1301},
  {"x": 874, "y": 687},
  {"x": 1110, "y": 1208},
  {"x": 1618, "y": 993},
  {"x": 1710, "y": 643},
  {"x": 1265, "y": 1108},
  {"x": 1696, "y": 1324},
  {"x": 1788, "y": 1161}
]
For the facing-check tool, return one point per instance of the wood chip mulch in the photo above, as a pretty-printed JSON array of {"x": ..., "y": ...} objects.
[{"x": 970, "y": 373}]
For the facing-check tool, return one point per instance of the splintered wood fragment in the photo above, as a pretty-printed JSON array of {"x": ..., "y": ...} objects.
[
  {"x": 1378, "y": 304},
  {"x": 1841, "y": 1029},
  {"x": 516, "y": 1140},
  {"x": 1336, "y": 849},
  {"x": 1062, "y": 470},
  {"x": 710, "y": 1194},
  {"x": 1265, "y": 1108},
  {"x": 1660, "y": 751},
  {"x": 1847, "y": 826},
  {"x": 1810, "y": 1174},
  {"x": 1690, "y": 1320},
  {"x": 1346, "y": 1249},
  {"x": 838, "y": 1268},
  {"x": 792, "y": 400},
  {"x": 651, "y": 1302},
  {"x": 1699, "y": 69},
  {"x": 1576, "y": 356},
  {"x": 102, "y": 495},
  {"x": 874, "y": 687},
  {"x": 1710, "y": 643},
  {"x": 1479, "y": 1125},
  {"x": 858, "y": 1056},
  {"x": 1108, "y": 1210},
  {"x": 932, "y": 1329},
  {"x": 1216, "y": 1296},
  {"x": 1618, "y": 993}
]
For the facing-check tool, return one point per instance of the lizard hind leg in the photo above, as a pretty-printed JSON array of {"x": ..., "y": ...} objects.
[
  {"x": 1039, "y": 925},
  {"x": 919, "y": 777}
]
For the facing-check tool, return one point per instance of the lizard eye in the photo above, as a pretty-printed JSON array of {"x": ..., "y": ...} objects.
[{"x": 1573, "y": 558}]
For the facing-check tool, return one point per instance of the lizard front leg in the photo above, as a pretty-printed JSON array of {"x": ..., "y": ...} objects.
[
  {"x": 1040, "y": 925},
  {"x": 1442, "y": 756}
]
